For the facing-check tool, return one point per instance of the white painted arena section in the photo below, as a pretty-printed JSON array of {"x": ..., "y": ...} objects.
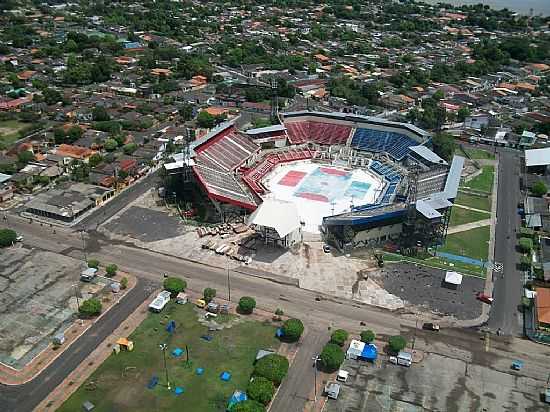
[{"x": 320, "y": 190}]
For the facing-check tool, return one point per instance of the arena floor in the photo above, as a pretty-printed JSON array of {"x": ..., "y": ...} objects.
[{"x": 320, "y": 190}]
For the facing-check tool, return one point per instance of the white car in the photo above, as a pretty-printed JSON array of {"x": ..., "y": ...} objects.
[
  {"x": 19, "y": 238},
  {"x": 342, "y": 376}
]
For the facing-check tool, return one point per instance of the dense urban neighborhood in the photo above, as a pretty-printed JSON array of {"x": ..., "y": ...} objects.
[{"x": 280, "y": 205}]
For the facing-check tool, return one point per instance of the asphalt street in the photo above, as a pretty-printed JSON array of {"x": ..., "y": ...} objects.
[
  {"x": 507, "y": 284},
  {"x": 25, "y": 397}
]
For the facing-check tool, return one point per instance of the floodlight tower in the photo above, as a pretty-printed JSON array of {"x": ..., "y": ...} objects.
[{"x": 274, "y": 101}]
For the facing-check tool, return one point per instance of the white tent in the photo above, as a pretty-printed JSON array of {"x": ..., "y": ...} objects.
[
  {"x": 355, "y": 349},
  {"x": 280, "y": 216},
  {"x": 453, "y": 278}
]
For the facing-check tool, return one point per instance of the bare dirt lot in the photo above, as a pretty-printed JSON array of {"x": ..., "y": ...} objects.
[{"x": 37, "y": 300}]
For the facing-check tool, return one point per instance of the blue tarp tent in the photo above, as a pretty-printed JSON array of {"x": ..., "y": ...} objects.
[
  {"x": 225, "y": 376},
  {"x": 370, "y": 352},
  {"x": 178, "y": 390},
  {"x": 238, "y": 396},
  {"x": 177, "y": 352}
]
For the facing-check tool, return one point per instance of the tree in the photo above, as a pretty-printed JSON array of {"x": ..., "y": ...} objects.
[
  {"x": 525, "y": 262},
  {"x": 444, "y": 145},
  {"x": 124, "y": 282},
  {"x": 174, "y": 285},
  {"x": 273, "y": 367},
  {"x": 90, "y": 307},
  {"x": 206, "y": 120},
  {"x": 209, "y": 294},
  {"x": 260, "y": 389},
  {"x": 51, "y": 96},
  {"x": 367, "y": 336},
  {"x": 332, "y": 357},
  {"x": 99, "y": 114},
  {"x": 339, "y": 337},
  {"x": 525, "y": 244},
  {"x": 93, "y": 263},
  {"x": 248, "y": 406},
  {"x": 25, "y": 157},
  {"x": 397, "y": 343},
  {"x": 74, "y": 133},
  {"x": 95, "y": 160},
  {"x": 463, "y": 112},
  {"x": 438, "y": 95},
  {"x": 292, "y": 330},
  {"x": 129, "y": 148},
  {"x": 111, "y": 270},
  {"x": 186, "y": 112},
  {"x": 7, "y": 237},
  {"x": 247, "y": 305},
  {"x": 539, "y": 189},
  {"x": 110, "y": 145}
]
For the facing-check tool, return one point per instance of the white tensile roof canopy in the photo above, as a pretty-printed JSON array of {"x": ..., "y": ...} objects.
[
  {"x": 453, "y": 278},
  {"x": 276, "y": 214}
]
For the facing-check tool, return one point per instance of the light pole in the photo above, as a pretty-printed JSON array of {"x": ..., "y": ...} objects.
[
  {"x": 315, "y": 360},
  {"x": 75, "y": 286},
  {"x": 228, "y": 283},
  {"x": 163, "y": 348},
  {"x": 83, "y": 246}
]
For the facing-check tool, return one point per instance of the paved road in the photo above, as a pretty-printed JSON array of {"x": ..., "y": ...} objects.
[
  {"x": 296, "y": 388},
  {"x": 25, "y": 397},
  {"x": 508, "y": 285},
  {"x": 99, "y": 215}
]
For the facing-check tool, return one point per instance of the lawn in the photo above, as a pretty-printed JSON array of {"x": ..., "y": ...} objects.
[
  {"x": 460, "y": 216},
  {"x": 479, "y": 154},
  {"x": 120, "y": 382},
  {"x": 477, "y": 202},
  {"x": 484, "y": 181},
  {"x": 473, "y": 243},
  {"x": 9, "y": 131}
]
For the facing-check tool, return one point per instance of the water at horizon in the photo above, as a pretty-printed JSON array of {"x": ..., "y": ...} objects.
[{"x": 521, "y": 6}]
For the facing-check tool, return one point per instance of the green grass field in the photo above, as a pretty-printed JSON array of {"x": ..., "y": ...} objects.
[
  {"x": 477, "y": 202},
  {"x": 120, "y": 382},
  {"x": 479, "y": 154},
  {"x": 460, "y": 216},
  {"x": 484, "y": 181},
  {"x": 9, "y": 131},
  {"x": 472, "y": 243}
]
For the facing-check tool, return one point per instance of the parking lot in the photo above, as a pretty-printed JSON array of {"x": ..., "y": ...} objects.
[
  {"x": 38, "y": 300},
  {"x": 424, "y": 287},
  {"x": 439, "y": 383}
]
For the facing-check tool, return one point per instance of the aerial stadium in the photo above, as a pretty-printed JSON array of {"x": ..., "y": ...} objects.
[{"x": 355, "y": 180}]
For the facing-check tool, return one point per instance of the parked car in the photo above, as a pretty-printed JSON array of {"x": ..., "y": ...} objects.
[
  {"x": 326, "y": 248},
  {"x": 19, "y": 238},
  {"x": 332, "y": 389},
  {"x": 431, "y": 326},
  {"x": 342, "y": 375},
  {"x": 201, "y": 303},
  {"x": 485, "y": 298}
]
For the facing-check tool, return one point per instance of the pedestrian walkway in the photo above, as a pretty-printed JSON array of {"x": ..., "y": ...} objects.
[
  {"x": 469, "y": 226},
  {"x": 472, "y": 208}
]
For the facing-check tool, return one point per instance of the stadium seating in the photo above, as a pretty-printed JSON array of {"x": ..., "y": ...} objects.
[
  {"x": 228, "y": 151},
  {"x": 219, "y": 182},
  {"x": 394, "y": 144},
  {"x": 317, "y": 132},
  {"x": 253, "y": 176}
]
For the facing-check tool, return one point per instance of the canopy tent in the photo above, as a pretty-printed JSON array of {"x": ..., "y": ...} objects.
[
  {"x": 453, "y": 278},
  {"x": 281, "y": 216},
  {"x": 355, "y": 349},
  {"x": 238, "y": 396},
  {"x": 370, "y": 352}
]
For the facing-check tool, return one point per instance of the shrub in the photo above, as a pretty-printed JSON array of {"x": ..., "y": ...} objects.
[
  {"x": 525, "y": 262},
  {"x": 539, "y": 188},
  {"x": 279, "y": 312},
  {"x": 7, "y": 237},
  {"x": 332, "y": 357},
  {"x": 129, "y": 148},
  {"x": 397, "y": 343},
  {"x": 209, "y": 294},
  {"x": 292, "y": 330},
  {"x": 247, "y": 305},
  {"x": 124, "y": 282},
  {"x": 339, "y": 337},
  {"x": 367, "y": 336},
  {"x": 111, "y": 270},
  {"x": 260, "y": 389},
  {"x": 93, "y": 263},
  {"x": 248, "y": 406},
  {"x": 174, "y": 285},
  {"x": 272, "y": 367},
  {"x": 110, "y": 145},
  {"x": 525, "y": 244},
  {"x": 90, "y": 307}
]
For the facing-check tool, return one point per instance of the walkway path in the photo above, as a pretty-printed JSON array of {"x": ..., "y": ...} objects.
[
  {"x": 472, "y": 208},
  {"x": 469, "y": 226}
]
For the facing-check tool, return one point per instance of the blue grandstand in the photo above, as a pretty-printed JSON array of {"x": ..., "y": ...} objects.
[{"x": 394, "y": 144}]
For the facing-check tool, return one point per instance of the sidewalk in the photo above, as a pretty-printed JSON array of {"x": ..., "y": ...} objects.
[
  {"x": 469, "y": 226},
  {"x": 472, "y": 208}
]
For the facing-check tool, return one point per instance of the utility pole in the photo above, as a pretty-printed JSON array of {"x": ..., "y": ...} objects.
[
  {"x": 76, "y": 296},
  {"x": 164, "y": 348},
  {"x": 414, "y": 337}
]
